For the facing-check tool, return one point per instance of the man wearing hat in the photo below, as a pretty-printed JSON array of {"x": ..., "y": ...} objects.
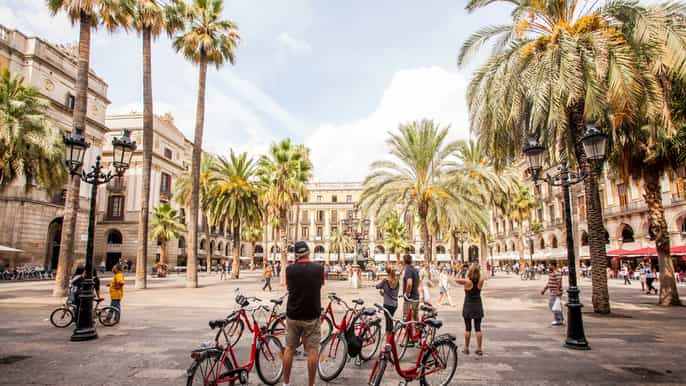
[{"x": 304, "y": 280}]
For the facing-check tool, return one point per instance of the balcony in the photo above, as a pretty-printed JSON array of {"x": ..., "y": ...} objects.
[
  {"x": 116, "y": 185},
  {"x": 166, "y": 196},
  {"x": 618, "y": 210}
]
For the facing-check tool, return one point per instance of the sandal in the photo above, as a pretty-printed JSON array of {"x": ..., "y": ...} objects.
[
  {"x": 465, "y": 351},
  {"x": 479, "y": 352}
]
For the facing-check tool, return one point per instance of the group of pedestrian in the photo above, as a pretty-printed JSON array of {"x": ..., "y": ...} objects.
[{"x": 116, "y": 287}]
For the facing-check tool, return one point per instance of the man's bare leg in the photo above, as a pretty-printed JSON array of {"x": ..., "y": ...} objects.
[
  {"x": 287, "y": 364},
  {"x": 312, "y": 360}
]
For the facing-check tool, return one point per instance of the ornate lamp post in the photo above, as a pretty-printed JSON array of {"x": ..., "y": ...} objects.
[
  {"x": 530, "y": 239},
  {"x": 358, "y": 230},
  {"x": 76, "y": 149},
  {"x": 461, "y": 237},
  {"x": 594, "y": 143}
]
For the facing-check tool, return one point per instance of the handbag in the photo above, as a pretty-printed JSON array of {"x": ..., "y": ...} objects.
[{"x": 557, "y": 305}]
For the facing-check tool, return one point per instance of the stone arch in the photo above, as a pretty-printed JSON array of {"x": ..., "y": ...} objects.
[
  {"x": 584, "y": 238},
  {"x": 541, "y": 243},
  {"x": 626, "y": 233},
  {"x": 275, "y": 249},
  {"x": 497, "y": 247},
  {"x": 553, "y": 242},
  {"x": 53, "y": 244},
  {"x": 203, "y": 244},
  {"x": 259, "y": 248},
  {"x": 114, "y": 241},
  {"x": 440, "y": 249},
  {"x": 379, "y": 249},
  {"x": 211, "y": 246},
  {"x": 219, "y": 247},
  {"x": 410, "y": 249},
  {"x": 319, "y": 249},
  {"x": 291, "y": 249}
]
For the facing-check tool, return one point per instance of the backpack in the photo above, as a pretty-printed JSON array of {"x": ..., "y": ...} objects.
[{"x": 354, "y": 342}]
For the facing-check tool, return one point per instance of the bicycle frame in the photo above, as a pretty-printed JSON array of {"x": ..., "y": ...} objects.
[
  {"x": 409, "y": 374},
  {"x": 345, "y": 320}
]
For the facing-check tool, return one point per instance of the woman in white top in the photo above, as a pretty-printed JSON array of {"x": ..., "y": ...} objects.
[
  {"x": 443, "y": 287},
  {"x": 426, "y": 283}
]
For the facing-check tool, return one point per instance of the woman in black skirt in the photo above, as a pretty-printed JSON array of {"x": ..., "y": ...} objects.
[{"x": 473, "y": 310}]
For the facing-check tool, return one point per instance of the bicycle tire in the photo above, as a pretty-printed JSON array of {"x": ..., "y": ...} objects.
[
  {"x": 377, "y": 372},
  {"x": 273, "y": 354},
  {"x": 211, "y": 357},
  {"x": 429, "y": 360},
  {"x": 64, "y": 320},
  {"x": 234, "y": 330},
  {"x": 108, "y": 316},
  {"x": 326, "y": 329},
  {"x": 335, "y": 347},
  {"x": 371, "y": 340},
  {"x": 402, "y": 338},
  {"x": 278, "y": 326}
]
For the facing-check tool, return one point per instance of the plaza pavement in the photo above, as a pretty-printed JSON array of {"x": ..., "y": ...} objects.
[{"x": 639, "y": 344}]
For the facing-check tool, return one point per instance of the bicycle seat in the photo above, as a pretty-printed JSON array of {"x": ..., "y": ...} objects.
[
  {"x": 278, "y": 302},
  {"x": 426, "y": 308},
  {"x": 369, "y": 311},
  {"x": 358, "y": 301},
  {"x": 435, "y": 323},
  {"x": 219, "y": 323}
]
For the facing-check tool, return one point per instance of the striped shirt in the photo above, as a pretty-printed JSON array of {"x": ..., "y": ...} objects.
[{"x": 554, "y": 283}]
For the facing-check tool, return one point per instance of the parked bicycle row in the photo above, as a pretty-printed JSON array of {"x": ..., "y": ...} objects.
[{"x": 27, "y": 273}]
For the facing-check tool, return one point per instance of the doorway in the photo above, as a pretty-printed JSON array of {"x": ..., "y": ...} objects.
[{"x": 54, "y": 239}]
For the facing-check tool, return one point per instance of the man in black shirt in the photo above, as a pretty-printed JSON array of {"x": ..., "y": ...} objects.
[
  {"x": 304, "y": 280},
  {"x": 410, "y": 288}
]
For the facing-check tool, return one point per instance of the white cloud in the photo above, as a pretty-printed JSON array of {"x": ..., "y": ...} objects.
[
  {"x": 294, "y": 45},
  {"x": 33, "y": 17},
  {"x": 344, "y": 151}
]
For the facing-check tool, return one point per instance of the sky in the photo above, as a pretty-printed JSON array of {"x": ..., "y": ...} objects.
[{"x": 337, "y": 76}]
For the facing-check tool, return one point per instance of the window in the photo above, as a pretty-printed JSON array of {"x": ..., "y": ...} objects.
[
  {"x": 320, "y": 233},
  {"x": 165, "y": 185},
  {"x": 562, "y": 209},
  {"x": 334, "y": 198},
  {"x": 627, "y": 234},
  {"x": 349, "y": 198},
  {"x": 319, "y": 198},
  {"x": 551, "y": 213},
  {"x": 334, "y": 229},
  {"x": 581, "y": 205},
  {"x": 584, "y": 239},
  {"x": 349, "y": 214},
  {"x": 542, "y": 243},
  {"x": 334, "y": 216},
  {"x": 320, "y": 216},
  {"x": 70, "y": 102},
  {"x": 539, "y": 213},
  {"x": 202, "y": 244},
  {"x": 115, "y": 207},
  {"x": 182, "y": 215},
  {"x": 305, "y": 233},
  {"x": 168, "y": 153},
  {"x": 683, "y": 226},
  {"x": 554, "y": 242},
  {"x": 304, "y": 218},
  {"x": 623, "y": 198}
]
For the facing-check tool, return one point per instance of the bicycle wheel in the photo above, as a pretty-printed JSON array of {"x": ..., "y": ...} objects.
[
  {"x": 233, "y": 331},
  {"x": 332, "y": 357},
  {"x": 108, "y": 316},
  {"x": 377, "y": 372},
  {"x": 325, "y": 330},
  {"x": 278, "y": 326},
  {"x": 205, "y": 370},
  {"x": 402, "y": 339},
  {"x": 268, "y": 362},
  {"x": 439, "y": 364},
  {"x": 371, "y": 339},
  {"x": 61, "y": 317}
]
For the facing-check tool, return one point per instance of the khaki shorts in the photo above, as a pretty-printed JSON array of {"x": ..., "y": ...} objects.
[
  {"x": 306, "y": 330},
  {"x": 414, "y": 306}
]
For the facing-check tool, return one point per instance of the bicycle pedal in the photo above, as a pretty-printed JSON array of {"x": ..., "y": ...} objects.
[{"x": 358, "y": 362}]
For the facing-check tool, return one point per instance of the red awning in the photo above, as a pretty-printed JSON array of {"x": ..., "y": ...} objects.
[
  {"x": 643, "y": 252},
  {"x": 618, "y": 252},
  {"x": 680, "y": 250}
]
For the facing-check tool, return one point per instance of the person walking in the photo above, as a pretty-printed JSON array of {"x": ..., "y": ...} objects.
[
  {"x": 221, "y": 269},
  {"x": 625, "y": 273},
  {"x": 554, "y": 287},
  {"x": 389, "y": 289},
  {"x": 651, "y": 275},
  {"x": 425, "y": 283},
  {"x": 443, "y": 287},
  {"x": 116, "y": 290},
  {"x": 304, "y": 281},
  {"x": 642, "y": 276},
  {"x": 267, "y": 274},
  {"x": 410, "y": 289},
  {"x": 473, "y": 309}
]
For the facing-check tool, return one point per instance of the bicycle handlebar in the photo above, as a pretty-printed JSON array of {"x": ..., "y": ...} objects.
[{"x": 395, "y": 320}]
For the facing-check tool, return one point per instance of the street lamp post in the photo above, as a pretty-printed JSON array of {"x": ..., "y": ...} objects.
[
  {"x": 461, "y": 237},
  {"x": 594, "y": 142},
  {"x": 530, "y": 238},
  {"x": 76, "y": 149},
  {"x": 358, "y": 230}
]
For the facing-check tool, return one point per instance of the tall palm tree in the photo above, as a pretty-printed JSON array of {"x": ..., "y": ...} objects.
[
  {"x": 415, "y": 178},
  {"x": 340, "y": 242},
  {"x": 166, "y": 225},
  {"x": 394, "y": 236},
  {"x": 559, "y": 64},
  {"x": 150, "y": 18},
  {"x": 519, "y": 211},
  {"x": 252, "y": 234},
  {"x": 89, "y": 14},
  {"x": 206, "y": 39},
  {"x": 283, "y": 174},
  {"x": 30, "y": 144},
  {"x": 233, "y": 199}
]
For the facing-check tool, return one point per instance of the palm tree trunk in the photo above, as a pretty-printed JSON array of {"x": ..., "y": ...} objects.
[
  {"x": 453, "y": 249},
  {"x": 236, "y": 250},
  {"x": 192, "y": 266},
  {"x": 283, "y": 220},
  {"x": 71, "y": 207},
  {"x": 142, "y": 252},
  {"x": 425, "y": 233},
  {"x": 520, "y": 246},
  {"x": 669, "y": 295},
  {"x": 594, "y": 216},
  {"x": 252, "y": 254}
]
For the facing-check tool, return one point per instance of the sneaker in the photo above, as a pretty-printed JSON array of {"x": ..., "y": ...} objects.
[{"x": 556, "y": 323}]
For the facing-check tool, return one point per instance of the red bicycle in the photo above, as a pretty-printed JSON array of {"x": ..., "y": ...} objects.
[
  {"x": 214, "y": 363},
  {"x": 436, "y": 361},
  {"x": 276, "y": 321},
  {"x": 407, "y": 336},
  {"x": 363, "y": 329}
]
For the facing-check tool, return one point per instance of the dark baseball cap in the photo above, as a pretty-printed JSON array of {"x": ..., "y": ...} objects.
[{"x": 301, "y": 249}]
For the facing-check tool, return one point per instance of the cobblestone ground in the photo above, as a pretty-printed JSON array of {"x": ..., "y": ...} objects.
[{"x": 639, "y": 344}]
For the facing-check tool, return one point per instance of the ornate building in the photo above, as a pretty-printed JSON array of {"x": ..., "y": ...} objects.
[{"x": 32, "y": 221}]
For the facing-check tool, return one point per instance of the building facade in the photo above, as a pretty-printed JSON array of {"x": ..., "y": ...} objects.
[{"x": 32, "y": 221}]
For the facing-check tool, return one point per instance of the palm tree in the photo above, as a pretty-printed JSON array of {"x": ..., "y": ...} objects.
[
  {"x": 283, "y": 174},
  {"x": 519, "y": 211},
  {"x": 166, "y": 226},
  {"x": 416, "y": 178},
  {"x": 340, "y": 242},
  {"x": 233, "y": 199},
  {"x": 150, "y": 18},
  {"x": 394, "y": 236},
  {"x": 89, "y": 14},
  {"x": 252, "y": 234},
  {"x": 206, "y": 39},
  {"x": 557, "y": 65},
  {"x": 30, "y": 144}
]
